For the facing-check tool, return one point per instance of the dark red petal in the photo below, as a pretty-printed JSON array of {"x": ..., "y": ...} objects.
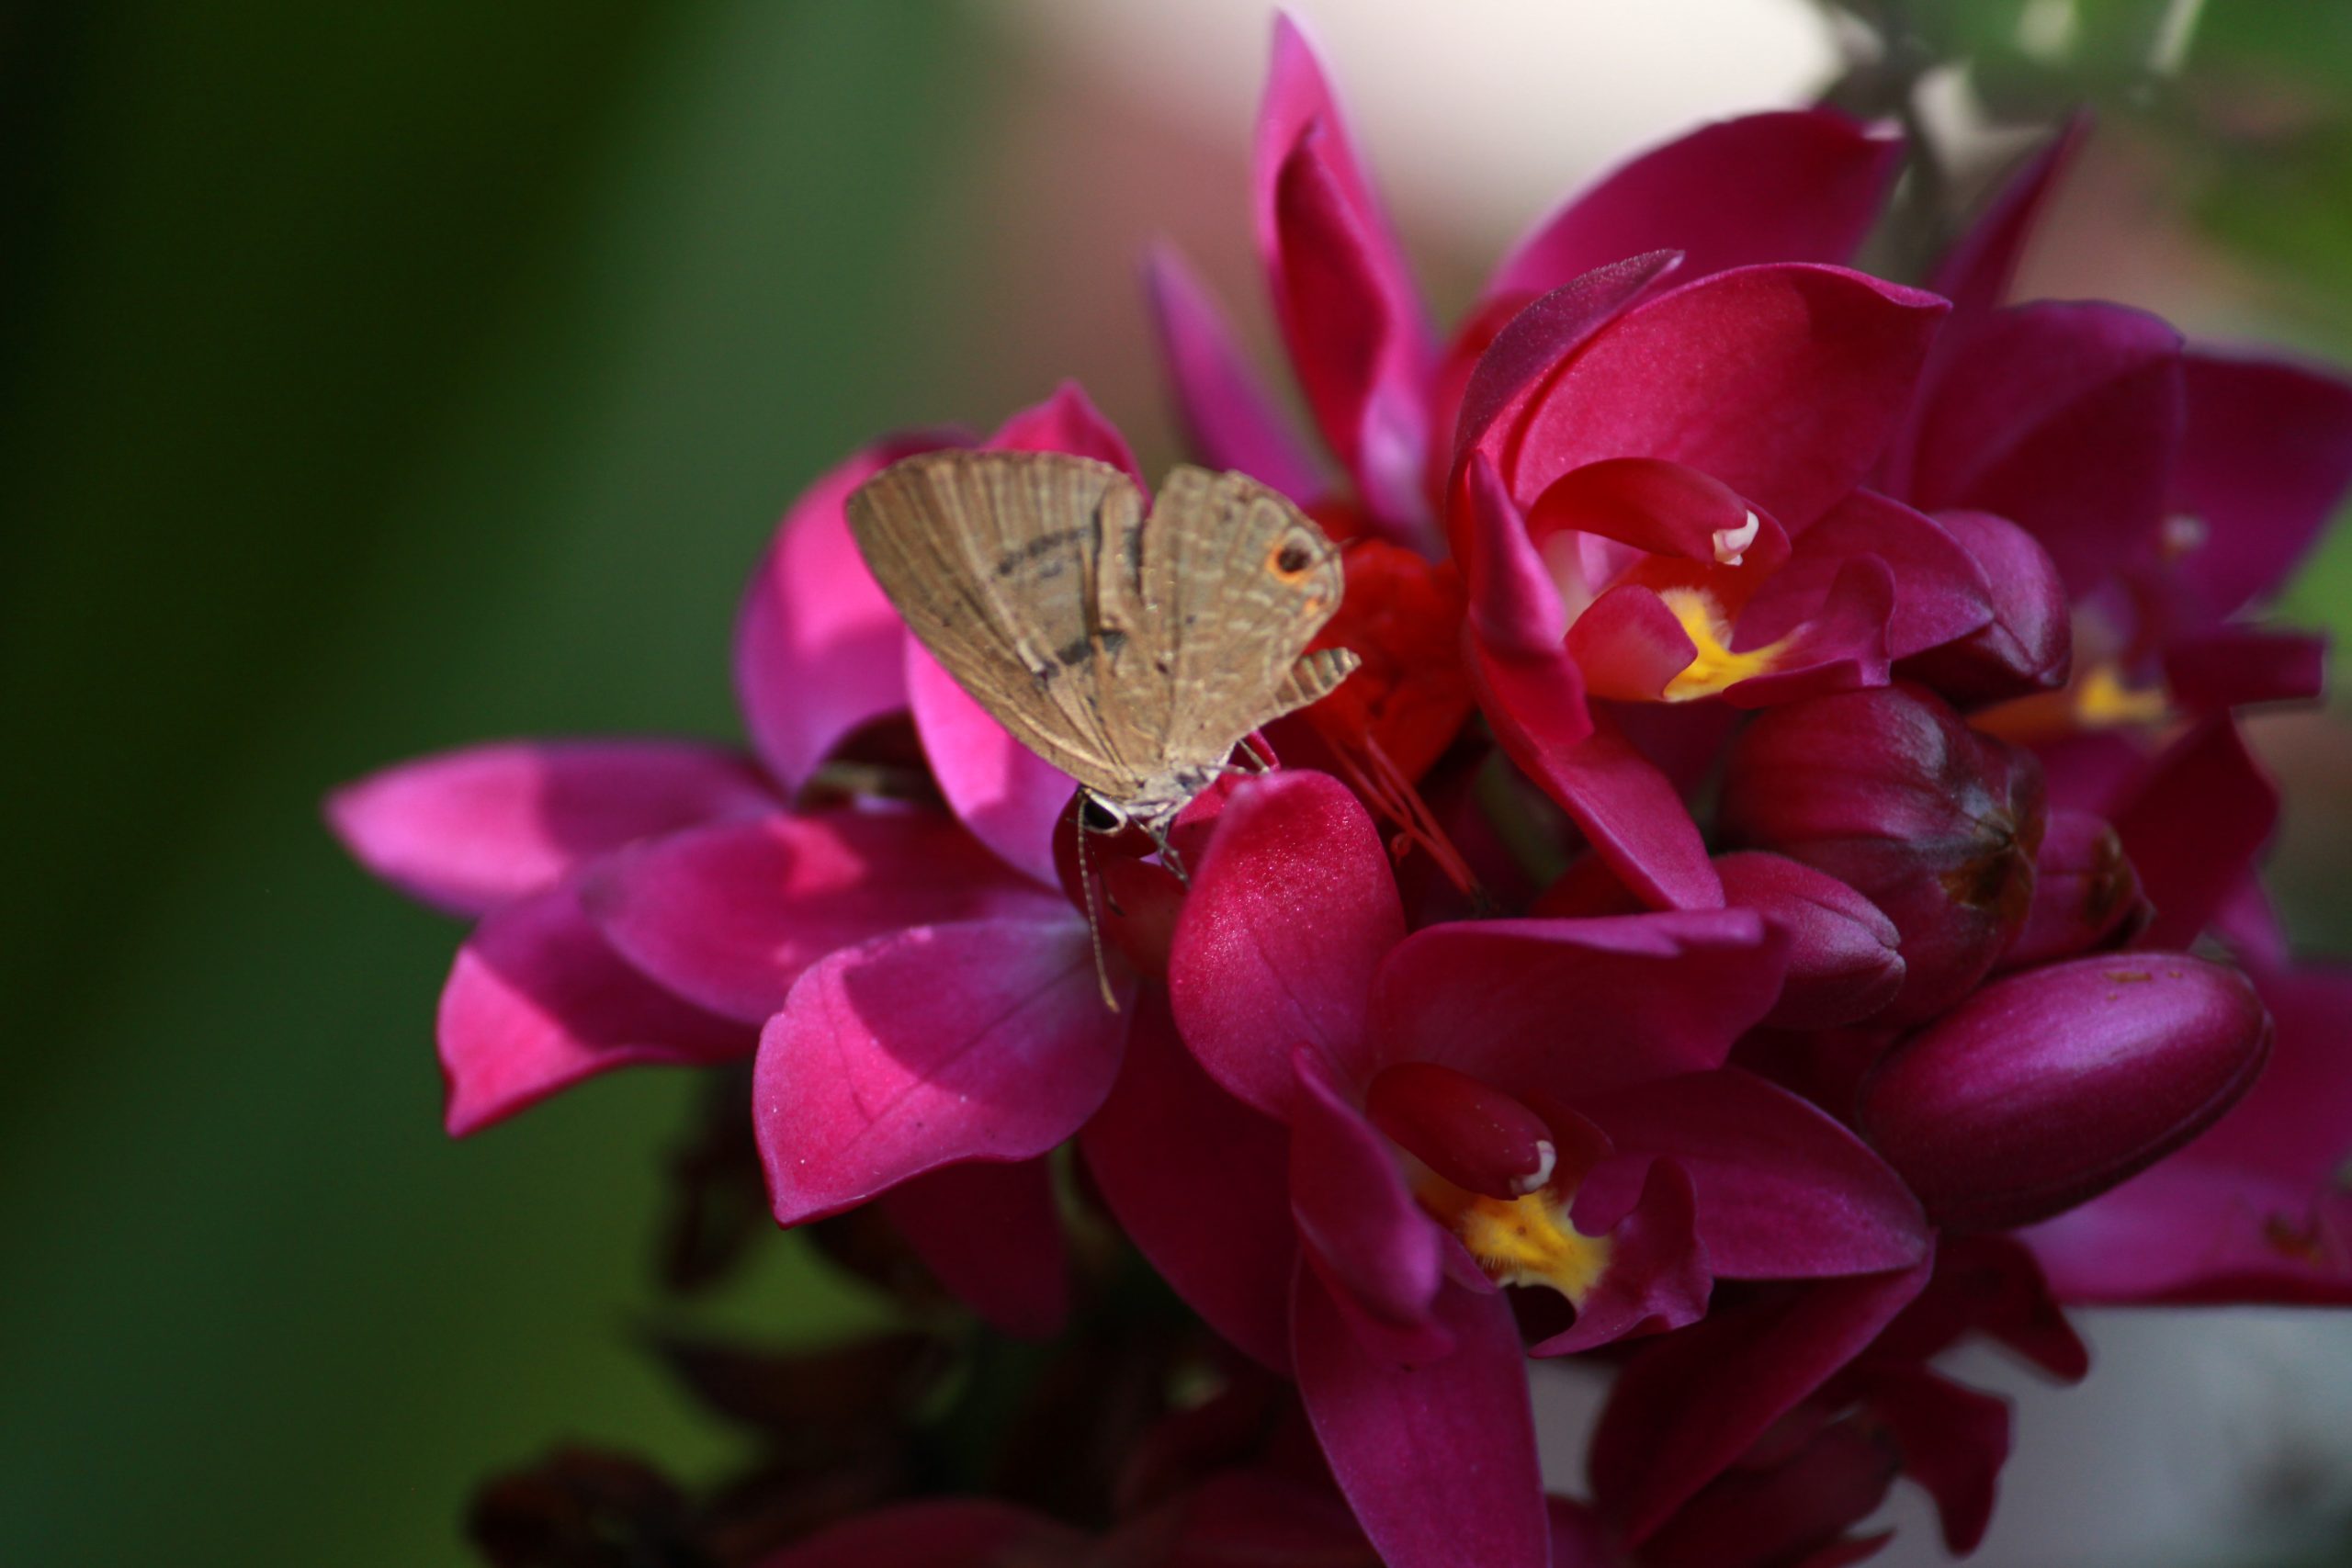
[
  {"x": 992, "y": 1234},
  {"x": 2194, "y": 827}
]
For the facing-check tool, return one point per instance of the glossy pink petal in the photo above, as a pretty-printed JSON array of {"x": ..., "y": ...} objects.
[
  {"x": 2027, "y": 645},
  {"x": 1845, "y": 957},
  {"x": 1841, "y": 646},
  {"x": 2265, "y": 459},
  {"x": 2060, "y": 417},
  {"x": 1941, "y": 592},
  {"x": 984, "y": 1040},
  {"x": 1358, "y": 337},
  {"x": 1687, "y": 1406},
  {"x": 1798, "y": 186},
  {"x": 1437, "y": 1462},
  {"x": 1373, "y": 1245},
  {"x": 537, "y": 1001},
  {"x": 729, "y": 915},
  {"x": 1230, "y": 420},
  {"x": 1291, "y": 911},
  {"x": 2194, "y": 827},
  {"x": 1629, "y": 646},
  {"x": 1783, "y": 382},
  {"x": 1069, "y": 422},
  {"x": 992, "y": 1234},
  {"x": 1574, "y": 1008},
  {"x": 2237, "y": 666},
  {"x": 1657, "y": 1279},
  {"x": 1009, "y": 797},
  {"x": 467, "y": 831},
  {"x": 1201, "y": 1183},
  {"x": 816, "y": 643},
  {"x": 940, "y": 1532},
  {"x": 1630, "y": 811},
  {"x": 1784, "y": 1191},
  {"x": 1656, "y": 506}
]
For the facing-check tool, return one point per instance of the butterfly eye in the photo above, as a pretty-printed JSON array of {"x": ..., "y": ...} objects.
[{"x": 1292, "y": 557}]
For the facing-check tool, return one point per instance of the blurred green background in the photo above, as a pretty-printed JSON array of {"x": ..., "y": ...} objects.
[{"x": 377, "y": 379}]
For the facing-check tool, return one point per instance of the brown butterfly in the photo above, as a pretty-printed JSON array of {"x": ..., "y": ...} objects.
[{"x": 1132, "y": 651}]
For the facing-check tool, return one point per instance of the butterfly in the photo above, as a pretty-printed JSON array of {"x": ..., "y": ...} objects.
[{"x": 1133, "y": 651}]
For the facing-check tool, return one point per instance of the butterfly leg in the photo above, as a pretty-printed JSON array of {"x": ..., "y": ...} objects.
[{"x": 1158, "y": 829}]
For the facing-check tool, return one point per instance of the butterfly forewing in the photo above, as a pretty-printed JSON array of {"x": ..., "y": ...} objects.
[{"x": 1131, "y": 652}]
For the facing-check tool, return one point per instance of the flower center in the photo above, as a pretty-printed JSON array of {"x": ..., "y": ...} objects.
[
  {"x": 1518, "y": 1241},
  {"x": 1715, "y": 666}
]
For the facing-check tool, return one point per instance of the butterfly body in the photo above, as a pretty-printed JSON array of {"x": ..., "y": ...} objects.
[{"x": 1131, "y": 650}]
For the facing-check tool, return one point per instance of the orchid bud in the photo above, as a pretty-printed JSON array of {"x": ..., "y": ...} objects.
[
  {"x": 1890, "y": 791},
  {"x": 1843, "y": 960},
  {"x": 2028, "y": 645},
  {"x": 2086, "y": 894},
  {"x": 2044, "y": 1090}
]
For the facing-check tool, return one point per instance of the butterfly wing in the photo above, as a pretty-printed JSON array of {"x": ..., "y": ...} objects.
[
  {"x": 1235, "y": 583},
  {"x": 998, "y": 562}
]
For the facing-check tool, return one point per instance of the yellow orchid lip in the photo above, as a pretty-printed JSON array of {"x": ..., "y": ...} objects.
[
  {"x": 1714, "y": 668},
  {"x": 1528, "y": 1240}
]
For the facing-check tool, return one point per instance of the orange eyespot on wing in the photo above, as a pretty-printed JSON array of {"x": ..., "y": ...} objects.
[{"x": 1294, "y": 553}]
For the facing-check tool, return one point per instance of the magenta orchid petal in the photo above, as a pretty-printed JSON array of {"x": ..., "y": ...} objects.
[
  {"x": 1628, "y": 645},
  {"x": 2185, "y": 1234},
  {"x": 1069, "y": 422},
  {"x": 1230, "y": 420},
  {"x": 1439, "y": 1460},
  {"x": 2063, "y": 418},
  {"x": 816, "y": 643},
  {"x": 2194, "y": 827},
  {"x": 940, "y": 1044},
  {"x": 1789, "y": 1513},
  {"x": 1359, "y": 335},
  {"x": 1576, "y": 1007},
  {"x": 1793, "y": 186},
  {"x": 2265, "y": 459},
  {"x": 467, "y": 831},
  {"x": 1290, "y": 913},
  {"x": 1537, "y": 342},
  {"x": 1975, "y": 274},
  {"x": 1841, "y": 646},
  {"x": 729, "y": 915},
  {"x": 2298, "y": 1118},
  {"x": 1657, "y": 1279},
  {"x": 1660, "y": 507},
  {"x": 1009, "y": 797},
  {"x": 1954, "y": 1441},
  {"x": 1784, "y": 382},
  {"x": 1687, "y": 1406},
  {"x": 992, "y": 1234},
  {"x": 2242, "y": 666},
  {"x": 938, "y": 1532},
  {"x": 2027, "y": 644},
  {"x": 1372, "y": 1242},
  {"x": 1784, "y": 1191},
  {"x": 537, "y": 1001},
  {"x": 1200, "y": 1182},
  {"x": 1941, "y": 592}
]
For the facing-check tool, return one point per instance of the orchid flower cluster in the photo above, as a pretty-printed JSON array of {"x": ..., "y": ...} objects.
[{"x": 1778, "y": 901}]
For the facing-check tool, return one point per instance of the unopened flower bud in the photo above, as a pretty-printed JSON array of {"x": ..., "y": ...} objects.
[
  {"x": 2086, "y": 894},
  {"x": 2028, "y": 645},
  {"x": 1890, "y": 791},
  {"x": 1843, "y": 960},
  {"x": 2044, "y": 1090}
]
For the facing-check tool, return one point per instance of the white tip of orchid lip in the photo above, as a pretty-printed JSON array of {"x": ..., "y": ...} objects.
[
  {"x": 1547, "y": 1158},
  {"x": 1731, "y": 544}
]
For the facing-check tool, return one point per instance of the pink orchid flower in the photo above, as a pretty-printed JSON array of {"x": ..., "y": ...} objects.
[{"x": 1391, "y": 1125}]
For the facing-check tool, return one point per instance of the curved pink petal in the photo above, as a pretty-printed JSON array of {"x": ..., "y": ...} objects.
[
  {"x": 1784, "y": 1191},
  {"x": 1629, "y": 646},
  {"x": 2237, "y": 666},
  {"x": 1358, "y": 337},
  {"x": 1953, "y": 1440},
  {"x": 1626, "y": 805},
  {"x": 984, "y": 1040},
  {"x": 2184, "y": 1233},
  {"x": 1657, "y": 1279},
  {"x": 1687, "y": 1406},
  {"x": 1372, "y": 1242},
  {"x": 467, "y": 831},
  {"x": 1439, "y": 1460},
  {"x": 2296, "y": 1120},
  {"x": 1796, "y": 186},
  {"x": 1841, "y": 646},
  {"x": 1975, "y": 273},
  {"x": 992, "y": 1234},
  {"x": 2194, "y": 827},
  {"x": 729, "y": 915},
  {"x": 941, "y": 1532},
  {"x": 1783, "y": 382},
  {"x": 1069, "y": 422},
  {"x": 816, "y": 643},
  {"x": 2026, "y": 645},
  {"x": 2062, "y": 417},
  {"x": 1229, "y": 419},
  {"x": 1009, "y": 797},
  {"x": 1654, "y": 505},
  {"x": 537, "y": 1001},
  {"x": 1201, "y": 1183},
  {"x": 1940, "y": 591},
  {"x": 1576, "y": 1007},
  {"x": 1290, "y": 913},
  {"x": 2265, "y": 459}
]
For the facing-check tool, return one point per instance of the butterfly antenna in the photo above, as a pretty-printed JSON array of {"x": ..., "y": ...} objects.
[{"x": 1086, "y": 896}]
